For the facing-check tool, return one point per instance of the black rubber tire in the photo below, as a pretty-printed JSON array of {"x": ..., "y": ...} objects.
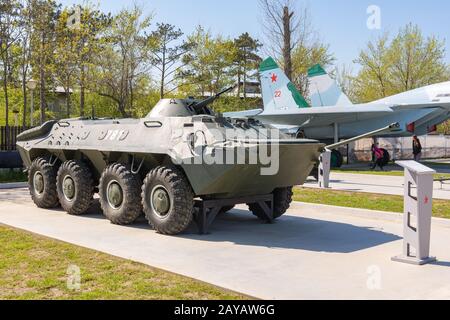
[
  {"x": 48, "y": 199},
  {"x": 181, "y": 210},
  {"x": 130, "y": 208},
  {"x": 83, "y": 183},
  {"x": 282, "y": 198}
]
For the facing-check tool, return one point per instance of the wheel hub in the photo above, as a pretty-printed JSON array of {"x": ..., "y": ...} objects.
[
  {"x": 160, "y": 201},
  {"x": 69, "y": 188},
  {"x": 38, "y": 182},
  {"x": 114, "y": 194}
]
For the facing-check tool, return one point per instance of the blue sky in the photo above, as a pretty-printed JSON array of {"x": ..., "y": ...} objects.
[{"x": 340, "y": 23}]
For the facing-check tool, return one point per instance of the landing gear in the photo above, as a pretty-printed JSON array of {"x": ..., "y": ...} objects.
[
  {"x": 120, "y": 194},
  {"x": 282, "y": 199},
  {"x": 42, "y": 183},
  {"x": 75, "y": 187},
  {"x": 168, "y": 200}
]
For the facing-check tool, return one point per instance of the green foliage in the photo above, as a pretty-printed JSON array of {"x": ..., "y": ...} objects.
[
  {"x": 166, "y": 54},
  {"x": 444, "y": 128},
  {"x": 121, "y": 67},
  {"x": 305, "y": 56},
  {"x": 246, "y": 61},
  {"x": 229, "y": 104},
  {"x": 406, "y": 62},
  {"x": 208, "y": 66}
]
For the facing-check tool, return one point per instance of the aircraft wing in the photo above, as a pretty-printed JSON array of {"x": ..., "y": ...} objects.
[
  {"x": 433, "y": 104},
  {"x": 320, "y": 116}
]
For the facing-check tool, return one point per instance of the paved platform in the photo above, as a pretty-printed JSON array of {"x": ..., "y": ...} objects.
[
  {"x": 391, "y": 185},
  {"x": 314, "y": 252}
]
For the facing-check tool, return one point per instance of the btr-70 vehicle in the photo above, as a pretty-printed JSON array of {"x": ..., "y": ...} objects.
[{"x": 159, "y": 164}]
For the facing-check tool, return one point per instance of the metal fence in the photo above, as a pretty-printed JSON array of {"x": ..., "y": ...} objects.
[
  {"x": 434, "y": 147},
  {"x": 8, "y": 136}
]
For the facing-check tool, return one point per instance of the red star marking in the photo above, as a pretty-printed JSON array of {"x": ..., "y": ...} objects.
[
  {"x": 427, "y": 200},
  {"x": 274, "y": 77}
]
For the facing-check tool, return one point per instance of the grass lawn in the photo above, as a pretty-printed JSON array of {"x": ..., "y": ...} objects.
[
  {"x": 381, "y": 202},
  {"x": 35, "y": 267},
  {"x": 7, "y": 176}
]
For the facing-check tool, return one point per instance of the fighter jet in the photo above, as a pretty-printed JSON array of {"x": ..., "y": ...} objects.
[{"x": 332, "y": 116}]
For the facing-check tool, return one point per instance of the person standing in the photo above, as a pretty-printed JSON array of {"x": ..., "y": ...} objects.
[
  {"x": 378, "y": 157},
  {"x": 417, "y": 149}
]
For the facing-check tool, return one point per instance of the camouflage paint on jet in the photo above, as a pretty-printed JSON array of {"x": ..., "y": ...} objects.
[
  {"x": 324, "y": 91},
  {"x": 278, "y": 92}
]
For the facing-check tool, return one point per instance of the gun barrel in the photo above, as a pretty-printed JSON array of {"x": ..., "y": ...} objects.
[
  {"x": 393, "y": 127},
  {"x": 210, "y": 100}
]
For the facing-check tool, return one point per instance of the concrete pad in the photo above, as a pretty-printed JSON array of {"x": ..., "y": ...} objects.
[
  {"x": 314, "y": 252},
  {"x": 391, "y": 185}
]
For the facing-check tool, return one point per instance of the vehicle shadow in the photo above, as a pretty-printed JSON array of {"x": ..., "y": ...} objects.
[
  {"x": 288, "y": 232},
  {"x": 291, "y": 232},
  {"x": 441, "y": 263}
]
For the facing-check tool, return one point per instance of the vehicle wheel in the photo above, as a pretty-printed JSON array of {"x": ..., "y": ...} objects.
[
  {"x": 120, "y": 194},
  {"x": 337, "y": 159},
  {"x": 42, "y": 184},
  {"x": 282, "y": 199},
  {"x": 75, "y": 187},
  {"x": 168, "y": 200}
]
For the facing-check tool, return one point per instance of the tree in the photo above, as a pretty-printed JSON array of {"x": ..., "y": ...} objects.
[
  {"x": 374, "y": 80},
  {"x": 208, "y": 67},
  {"x": 25, "y": 56},
  {"x": 88, "y": 39},
  {"x": 345, "y": 80},
  {"x": 65, "y": 57},
  {"x": 292, "y": 40},
  {"x": 166, "y": 55},
  {"x": 10, "y": 32},
  {"x": 417, "y": 61},
  {"x": 407, "y": 62},
  {"x": 195, "y": 76},
  {"x": 247, "y": 59},
  {"x": 123, "y": 61},
  {"x": 282, "y": 29},
  {"x": 44, "y": 14},
  {"x": 306, "y": 55}
]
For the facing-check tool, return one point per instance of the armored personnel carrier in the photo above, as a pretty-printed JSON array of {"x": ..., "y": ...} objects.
[{"x": 162, "y": 163}]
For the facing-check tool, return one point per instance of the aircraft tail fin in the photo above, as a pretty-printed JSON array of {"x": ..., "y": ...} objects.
[
  {"x": 324, "y": 91},
  {"x": 279, "y": 94}
]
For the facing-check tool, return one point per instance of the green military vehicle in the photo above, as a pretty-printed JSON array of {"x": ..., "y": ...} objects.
[{"x": 157, "y": 165}]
